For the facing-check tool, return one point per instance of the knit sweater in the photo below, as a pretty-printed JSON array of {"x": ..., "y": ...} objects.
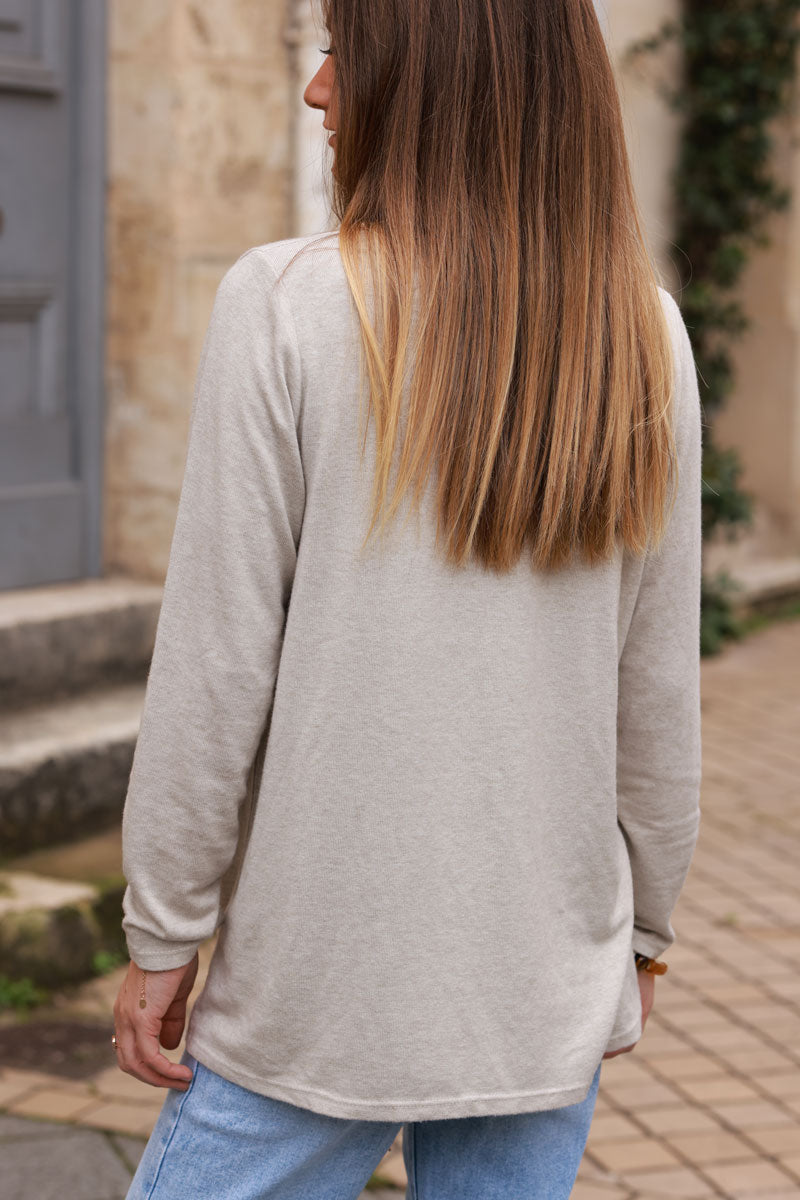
[{"x": 430, "y": 811}]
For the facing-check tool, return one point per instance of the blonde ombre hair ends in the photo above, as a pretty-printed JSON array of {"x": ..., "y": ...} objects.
[{"x": 482, "y": 187}]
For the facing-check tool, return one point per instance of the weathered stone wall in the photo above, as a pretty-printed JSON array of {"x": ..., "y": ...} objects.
[
  {"x": 762, "y": 416},
  {"x": 200, "y": 169},
  {"x": 651, "y": 126},
  {"x": 313, "y": 156},
  {"x": 761, "y": 419}
]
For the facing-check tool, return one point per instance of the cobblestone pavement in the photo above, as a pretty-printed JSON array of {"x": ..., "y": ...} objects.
[{"x": 708, "y": 1105}]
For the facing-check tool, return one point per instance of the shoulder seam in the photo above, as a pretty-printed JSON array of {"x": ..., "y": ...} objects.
[{"x": 279, "y": 285}]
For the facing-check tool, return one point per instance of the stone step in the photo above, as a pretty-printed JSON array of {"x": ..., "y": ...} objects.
[
  {"x": 58, "y": 640},
  {"x": 64, "y": 766},
  {"x": 21, "y": 891},
  {"x": 59, "y": 907},
  {"x": 52, "y": 929},
  {"x": 768, "y": 581},
  {"x": 90, "y": 861}
]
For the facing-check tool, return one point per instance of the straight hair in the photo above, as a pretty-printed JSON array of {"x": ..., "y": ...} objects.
[{"x": 490, "y": 236}]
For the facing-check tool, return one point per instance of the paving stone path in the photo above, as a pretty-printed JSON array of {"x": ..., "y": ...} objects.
[{"x": 708, "y": 1105}]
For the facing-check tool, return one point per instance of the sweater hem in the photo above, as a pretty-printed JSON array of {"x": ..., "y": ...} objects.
[
  {"x": 628, "y": 1037},
  {"x": 332, "y": 1105}
]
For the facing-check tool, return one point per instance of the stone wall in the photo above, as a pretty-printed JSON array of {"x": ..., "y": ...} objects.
[
  {"x": 652, "y": 128},
  {"x": 761, "y": 419},
  {"x": 200, "y": 169}
]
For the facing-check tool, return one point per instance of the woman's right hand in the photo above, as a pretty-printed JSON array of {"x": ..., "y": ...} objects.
[
  {"x": 647, "y": 985},
  {"x": 140, "y": 1030}
]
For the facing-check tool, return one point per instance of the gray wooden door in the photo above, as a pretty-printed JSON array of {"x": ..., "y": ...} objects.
[{"x": 52, "y": 200}]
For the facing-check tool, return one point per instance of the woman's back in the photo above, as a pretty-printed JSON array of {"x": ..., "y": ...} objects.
[{"x": 479, "y": 790}]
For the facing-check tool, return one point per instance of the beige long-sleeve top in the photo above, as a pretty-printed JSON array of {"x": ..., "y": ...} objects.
[{"x": 431, "y": 811}]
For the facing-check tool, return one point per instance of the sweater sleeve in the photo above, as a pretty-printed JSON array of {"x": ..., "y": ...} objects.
[
  {"x": 658, "y": 723},
  {"x": 220, "y": 629}
]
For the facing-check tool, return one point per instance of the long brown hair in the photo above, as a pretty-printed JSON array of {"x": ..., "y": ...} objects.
[{"x": 482, "y": 175}]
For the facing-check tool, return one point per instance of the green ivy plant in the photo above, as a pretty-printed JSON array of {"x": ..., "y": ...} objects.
[{"x": 739, "y": 64}]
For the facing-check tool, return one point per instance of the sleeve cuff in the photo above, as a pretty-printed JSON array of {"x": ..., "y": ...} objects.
[
  {"x": 651, "y": 944},
  {"x": 152, "y": 955}
]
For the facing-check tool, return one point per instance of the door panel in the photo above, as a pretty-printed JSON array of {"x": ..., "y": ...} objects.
[{"x": 51, "y": 273}]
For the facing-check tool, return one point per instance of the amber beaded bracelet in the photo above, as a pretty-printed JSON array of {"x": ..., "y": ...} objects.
[{"x": 651, "y": 965}]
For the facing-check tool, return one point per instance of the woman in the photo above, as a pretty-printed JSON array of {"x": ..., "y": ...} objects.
[{"x": 436, "y": 788}]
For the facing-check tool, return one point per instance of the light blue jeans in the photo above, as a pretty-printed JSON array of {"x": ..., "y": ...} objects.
[{"x": 220, "y": 1141}]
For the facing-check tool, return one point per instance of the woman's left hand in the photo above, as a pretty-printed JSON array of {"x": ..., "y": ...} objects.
[
  {"x": 139, "y": 1030},
  {"x": 647, "y": 985}
]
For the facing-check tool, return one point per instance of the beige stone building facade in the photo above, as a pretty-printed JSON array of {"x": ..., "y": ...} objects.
[{"x": 211, "y": 150}]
